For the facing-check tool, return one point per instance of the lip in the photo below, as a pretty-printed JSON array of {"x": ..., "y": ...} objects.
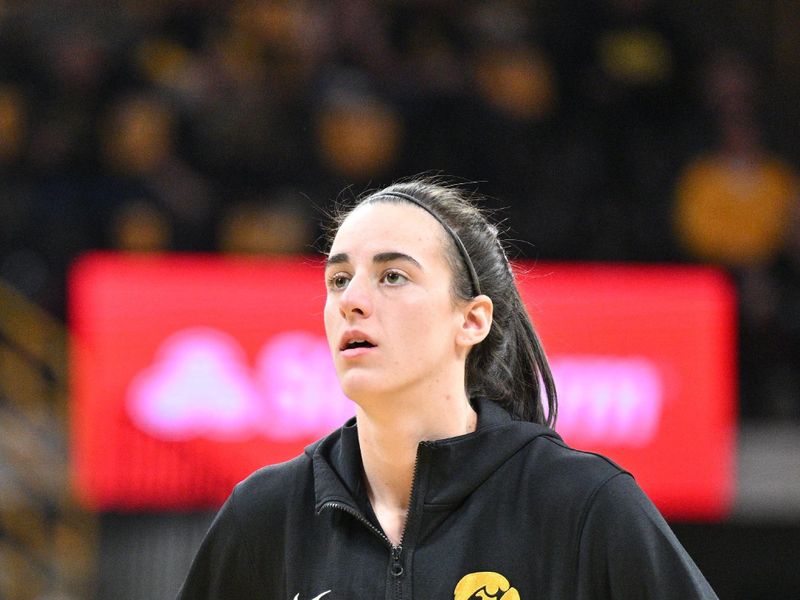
[
  {"x": 355, "y": 352},
  {"x": 349, "y": 336}
]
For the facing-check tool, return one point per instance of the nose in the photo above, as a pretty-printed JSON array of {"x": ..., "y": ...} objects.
[{"x": 356, "y": 299}]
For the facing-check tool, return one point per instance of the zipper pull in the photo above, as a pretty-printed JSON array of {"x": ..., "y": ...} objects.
[{"x": 397, "y": 566}]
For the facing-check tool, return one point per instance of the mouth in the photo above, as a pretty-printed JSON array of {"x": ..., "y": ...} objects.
[{"x": 356, "y": 343}]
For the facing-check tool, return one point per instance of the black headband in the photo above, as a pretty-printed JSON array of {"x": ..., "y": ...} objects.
[{"x": 473, "y": 275}]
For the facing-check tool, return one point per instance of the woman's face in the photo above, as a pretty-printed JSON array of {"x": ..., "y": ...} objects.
[{"x": 390, "y": 318}]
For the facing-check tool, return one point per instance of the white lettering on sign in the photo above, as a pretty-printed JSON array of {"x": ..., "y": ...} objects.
[{"x": 609, "y": 400}]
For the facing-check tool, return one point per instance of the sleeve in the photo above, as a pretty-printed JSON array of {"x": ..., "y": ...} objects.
[
  {"x": 628, "y": 551},
  {"x": 223, "y": 566}
]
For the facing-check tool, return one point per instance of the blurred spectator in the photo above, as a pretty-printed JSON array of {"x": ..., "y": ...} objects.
[
  {"x": 278, "y": 224},
  {"x": 631, "y": 77},
  {"x": 139, "y": 149},
  {"x": 138, "y": 136},
  {"x": 776, "y": 299},
  {"x": 13, "y": 122},
  {"x": 21, "y": 260},
  {"x": 140, "y": 226},
  {"x": 513, "y": 135},
  {"x": 637, "y": 64},
  {"x": 359, "y": 134},
  {"x": 430, "y": 85},
  {"x": 733, "y": 204},
  {"x": 733, "y": 207},
  {"x": 516, "y": 80}
]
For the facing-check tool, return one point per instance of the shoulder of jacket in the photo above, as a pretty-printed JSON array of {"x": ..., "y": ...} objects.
[
  {"x": 273, "y": 487},
  {"x": 580, "y": 467}
]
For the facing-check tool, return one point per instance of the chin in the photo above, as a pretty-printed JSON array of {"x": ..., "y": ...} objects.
[{"x": 360, "y": 388}]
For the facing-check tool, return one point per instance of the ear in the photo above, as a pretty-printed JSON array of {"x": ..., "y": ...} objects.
[{"x": 476, "y": 322}]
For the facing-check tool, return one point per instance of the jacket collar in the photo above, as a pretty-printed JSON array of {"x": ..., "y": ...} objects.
[{"x": 453, "y": 467}]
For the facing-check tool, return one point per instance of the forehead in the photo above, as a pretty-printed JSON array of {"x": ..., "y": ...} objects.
[{"x": 393, "y": 226}]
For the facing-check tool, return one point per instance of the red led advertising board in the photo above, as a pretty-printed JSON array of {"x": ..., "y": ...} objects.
[{"x": 190, "y": 372}]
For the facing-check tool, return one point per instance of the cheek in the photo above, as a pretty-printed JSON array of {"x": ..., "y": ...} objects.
[
  {"x": 427, "y": 325},
  {"x": 329, "y": 319}
]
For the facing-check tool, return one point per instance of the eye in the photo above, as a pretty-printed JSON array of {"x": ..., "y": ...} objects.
[
  {"x": 338, "y": 281},
  {"x": 394, "y": 278}
]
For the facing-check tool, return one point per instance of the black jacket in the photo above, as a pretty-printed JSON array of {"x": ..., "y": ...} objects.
[{"x": 509, "y": 511}]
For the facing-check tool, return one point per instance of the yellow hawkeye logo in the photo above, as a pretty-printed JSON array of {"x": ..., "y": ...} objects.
[{"x": 485, "y": 585}]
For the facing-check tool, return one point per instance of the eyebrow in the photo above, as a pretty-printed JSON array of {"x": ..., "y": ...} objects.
[{"x": 381, "y": 257}]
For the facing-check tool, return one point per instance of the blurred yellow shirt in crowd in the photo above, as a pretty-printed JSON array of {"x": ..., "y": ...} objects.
[{"x": 733, "y": 212}]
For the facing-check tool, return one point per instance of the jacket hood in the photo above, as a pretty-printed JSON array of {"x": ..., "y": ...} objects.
[{"x": 452, "y": 468}]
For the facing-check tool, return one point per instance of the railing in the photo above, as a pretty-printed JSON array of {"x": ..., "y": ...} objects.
[{"x": 47, "y": 542}]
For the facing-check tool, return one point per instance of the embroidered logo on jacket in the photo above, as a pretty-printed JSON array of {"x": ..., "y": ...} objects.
[
  {"x": 485, "y": 585},
  {"x": 297, "y": 596}
]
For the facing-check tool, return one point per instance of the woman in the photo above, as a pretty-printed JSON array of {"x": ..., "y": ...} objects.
[{"x": 448, "y": 483}]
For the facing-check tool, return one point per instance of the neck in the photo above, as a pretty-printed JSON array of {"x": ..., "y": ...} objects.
[{"x": 389, "y": 438}]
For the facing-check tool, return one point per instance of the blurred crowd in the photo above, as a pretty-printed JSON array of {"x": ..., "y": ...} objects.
[{"x": 619, "y": 130}]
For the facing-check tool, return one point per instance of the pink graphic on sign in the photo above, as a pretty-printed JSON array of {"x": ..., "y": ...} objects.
[
  {"x": 200, "y": 385},
  {"x": 608, "y": 399},
  {"x": 298, "y": 382}
]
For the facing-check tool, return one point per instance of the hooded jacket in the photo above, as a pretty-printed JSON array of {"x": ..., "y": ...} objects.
[{"x": 507, "y": 512}]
